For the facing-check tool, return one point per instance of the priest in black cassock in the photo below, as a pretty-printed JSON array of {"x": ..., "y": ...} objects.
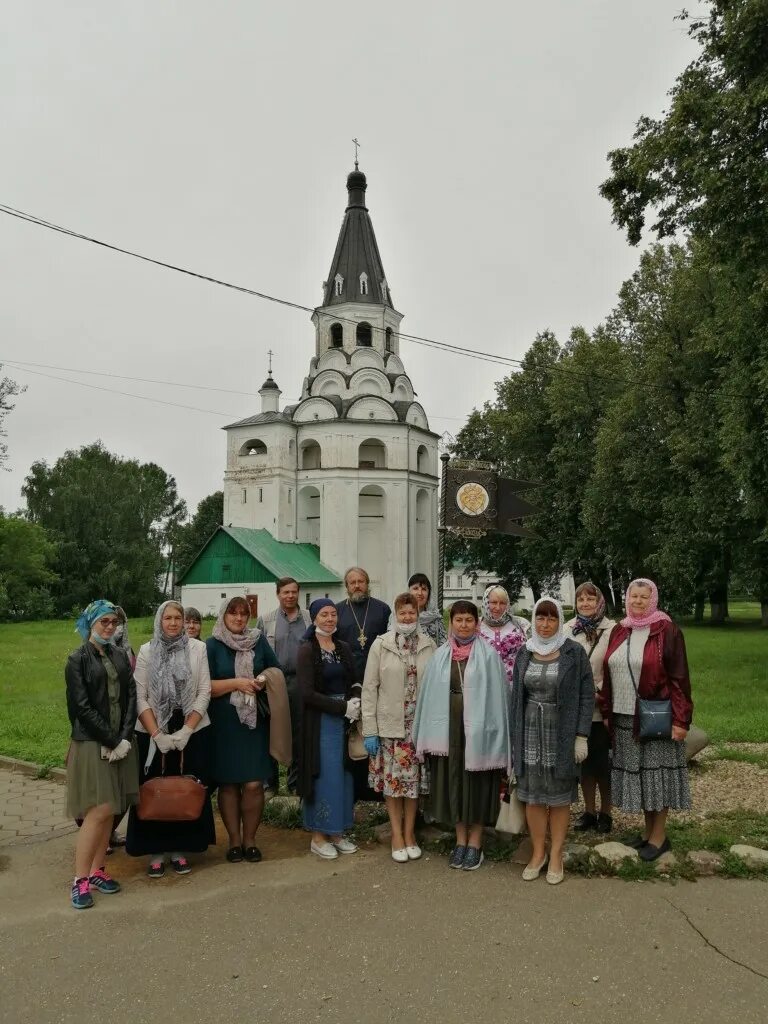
[{"x": 361, "y": 619}]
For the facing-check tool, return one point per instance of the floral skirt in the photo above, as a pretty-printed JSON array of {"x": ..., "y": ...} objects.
[{"x": 395, "y": 771}]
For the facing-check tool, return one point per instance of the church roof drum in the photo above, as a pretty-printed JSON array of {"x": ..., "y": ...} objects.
[{"x": 357, "y": 273}]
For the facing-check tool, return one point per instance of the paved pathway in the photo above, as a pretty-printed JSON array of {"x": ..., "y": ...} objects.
[{"x": 31, "y": 810}]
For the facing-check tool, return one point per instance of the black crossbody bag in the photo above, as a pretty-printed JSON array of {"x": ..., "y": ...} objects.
[{"x": 655, "y": 716}]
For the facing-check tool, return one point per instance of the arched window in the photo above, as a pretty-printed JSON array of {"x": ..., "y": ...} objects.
[
  {"x": 254, "y": 447},
  {"x": 383, "y": 291},
  {"x": 337, "y": 335},
  {"x": 308, "y": 515},
  {"x": 310, "y": 455},
  {"x": 363, "y": 283},
  {"x": 422, "y": 459},
  {"x": 372, "y": 454},
  {"x": 388, "y": 340},
  {"x": 364, "y": 334},
  {"x": 338, "y": 284}
]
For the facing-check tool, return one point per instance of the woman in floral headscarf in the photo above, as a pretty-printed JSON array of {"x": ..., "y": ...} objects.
[
  {"x": 591, "y": 628},
  {"x": 173, "y": 689},
  {"x": 646, "y": 658},
  {"x": 238, "y": 658},
  {"x": 506, "y": 633},
  {"x": 102, "y": 770}
]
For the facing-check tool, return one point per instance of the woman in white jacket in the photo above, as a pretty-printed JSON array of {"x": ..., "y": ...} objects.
[
  {"x": 395, "y": 667},
  {"x": 173, "y": 689},
  {"x": 591, "y": 628}
]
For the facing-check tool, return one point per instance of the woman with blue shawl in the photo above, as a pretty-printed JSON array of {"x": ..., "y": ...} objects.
[
  {"x": 102, "y": 769},
  {"x": 461, "y": 727}
]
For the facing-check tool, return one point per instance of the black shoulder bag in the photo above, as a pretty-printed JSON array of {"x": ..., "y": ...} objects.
[{"x": 655, "y": 715}]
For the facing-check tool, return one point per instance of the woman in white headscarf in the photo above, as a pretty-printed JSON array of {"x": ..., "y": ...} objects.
[
  {"x": 553, "y": 698},
  {"x": 173, "y": 689},
  {"x": 506, "y": 633}
]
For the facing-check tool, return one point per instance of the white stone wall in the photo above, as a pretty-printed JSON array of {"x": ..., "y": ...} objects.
[{"x": 207, "y": 597}]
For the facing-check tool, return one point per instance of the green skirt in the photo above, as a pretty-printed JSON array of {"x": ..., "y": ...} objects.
[
  {"x": 92, "y": 781},
  {"x": 456, "y": 795}
]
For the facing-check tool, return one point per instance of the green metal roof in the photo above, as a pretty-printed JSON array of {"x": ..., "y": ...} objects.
[{"x": 278, "y": 558}]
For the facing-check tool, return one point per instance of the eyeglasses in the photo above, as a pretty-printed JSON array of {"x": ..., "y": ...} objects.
[{"x": 107, "y": 623}]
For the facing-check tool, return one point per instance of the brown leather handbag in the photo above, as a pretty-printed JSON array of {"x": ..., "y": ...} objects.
[
  {"x": 355, "y": 744},
  {"x": 171, "y": 797}
]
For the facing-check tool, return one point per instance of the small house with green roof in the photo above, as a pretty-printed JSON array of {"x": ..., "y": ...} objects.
[{"x": 237, "y": 561}]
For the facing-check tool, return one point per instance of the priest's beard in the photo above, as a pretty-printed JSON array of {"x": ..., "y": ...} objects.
[{"x": 358, "y": 598}]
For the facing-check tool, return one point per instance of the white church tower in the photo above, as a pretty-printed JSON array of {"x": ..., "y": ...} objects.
[{"x": 353, "y": 467}]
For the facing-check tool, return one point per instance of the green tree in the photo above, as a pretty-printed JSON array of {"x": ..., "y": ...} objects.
[
  {"x": 110, "y": 518},
  {"x": 192, "y": 535},
  {"x": 8, "y": 390},
  {"x": 26, "y": 554},
  {"x": 701, "y": 169}
]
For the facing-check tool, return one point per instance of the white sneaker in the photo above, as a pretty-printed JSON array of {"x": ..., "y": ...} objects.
[
  {"x": 414, "y": 852},
  {"x": 400, "y": 856},
  {"x": 345, "y": 845},
  {"x": 325, "y": 850}
]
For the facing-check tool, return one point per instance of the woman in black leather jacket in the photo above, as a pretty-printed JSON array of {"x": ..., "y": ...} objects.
[{"x": 102, "y": 767}]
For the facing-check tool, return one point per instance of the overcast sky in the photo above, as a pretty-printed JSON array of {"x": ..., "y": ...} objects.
[{"x": 218, "y": 137}]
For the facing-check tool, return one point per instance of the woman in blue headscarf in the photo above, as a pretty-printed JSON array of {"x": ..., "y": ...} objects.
[
  {"x": 325, "y": 672},
  {"x": 102, "y": 767}
]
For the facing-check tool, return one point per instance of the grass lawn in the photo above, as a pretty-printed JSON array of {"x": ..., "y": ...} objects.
[{"x": 729, "y": 673}]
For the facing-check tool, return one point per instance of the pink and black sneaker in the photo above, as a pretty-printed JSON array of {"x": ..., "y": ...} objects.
[
  {"x": 101, "y": 882},
  {"x": 81, "y": 894}
]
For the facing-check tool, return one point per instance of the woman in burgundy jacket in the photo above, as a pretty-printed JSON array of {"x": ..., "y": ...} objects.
[{"x": 646, "y": 657}]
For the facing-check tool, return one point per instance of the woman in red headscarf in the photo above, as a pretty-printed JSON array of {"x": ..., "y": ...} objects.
[{"x": 646, "y": 659}]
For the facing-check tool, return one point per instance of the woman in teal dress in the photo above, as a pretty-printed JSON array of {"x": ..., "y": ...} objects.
[{"x": 237, "y": 658}]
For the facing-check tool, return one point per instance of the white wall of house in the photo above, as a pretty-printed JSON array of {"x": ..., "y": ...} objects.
[
  {"x": 458, "y": 585},
  {"x": 207, "y": 597}
]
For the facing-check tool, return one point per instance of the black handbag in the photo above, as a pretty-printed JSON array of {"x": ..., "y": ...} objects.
[{"x": 655, "y": 716}]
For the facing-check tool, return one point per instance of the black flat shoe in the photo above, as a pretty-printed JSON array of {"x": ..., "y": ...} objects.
[
  {"x": 235, "y": 854},
  {"x": 649, "y": 852},
  {"x": 604, "y": 823},
  {"x": 585, "y": 822},
  {"x": 252, "y": 854},
  {"x": 636, "y": 843}
]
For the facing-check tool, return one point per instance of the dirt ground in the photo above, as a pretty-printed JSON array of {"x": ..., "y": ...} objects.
[{"x": 364, "y": 939}]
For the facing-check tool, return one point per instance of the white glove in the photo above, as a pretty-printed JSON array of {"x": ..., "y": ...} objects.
[
  {"x": 164, "y": 743},
  {"x": 122, "y": 750},
  {"x": 353, "y": 709},
  {"x": 181, "y": 738},
  {"x": 580, "y": 749}
]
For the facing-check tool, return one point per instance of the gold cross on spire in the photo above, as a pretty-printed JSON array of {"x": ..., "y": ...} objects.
[
  {"x": 357, "y": 146},
  {"x": 270, "y": 353}
]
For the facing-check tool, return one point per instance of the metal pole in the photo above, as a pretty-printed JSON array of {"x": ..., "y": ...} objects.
[{"x": 445, "y": 459}]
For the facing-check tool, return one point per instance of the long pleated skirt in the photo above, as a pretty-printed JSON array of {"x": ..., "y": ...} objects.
[
  {"x": 332, "y": 810},
  {"x": 649, "y": 776}
]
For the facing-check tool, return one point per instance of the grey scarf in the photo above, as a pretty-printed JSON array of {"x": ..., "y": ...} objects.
[{"x": 170, "y": 683}]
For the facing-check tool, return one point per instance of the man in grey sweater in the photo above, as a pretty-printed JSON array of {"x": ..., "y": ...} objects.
[{"x": 284, "y": 627}]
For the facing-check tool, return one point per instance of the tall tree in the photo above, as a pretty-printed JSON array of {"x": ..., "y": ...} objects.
[
  {"x": 26, "y": 554},
  {"x": 701, "y": 169},
  {"x": 192, "y": 535},
  {"x": 110, "y": 518},
  {"x": 8, "y": 390}
]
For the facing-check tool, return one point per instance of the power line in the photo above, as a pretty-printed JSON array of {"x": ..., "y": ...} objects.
[
  {"x": 124, "y": 394},
  {"x": 415, "y": 338},
  {"x": 122, "y": 376}
]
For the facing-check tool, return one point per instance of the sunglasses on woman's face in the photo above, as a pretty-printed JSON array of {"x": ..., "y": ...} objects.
[{"x": 108, "y": 623}]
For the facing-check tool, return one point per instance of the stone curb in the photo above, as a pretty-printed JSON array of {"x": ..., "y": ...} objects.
[{"x": 15, "y": 764}]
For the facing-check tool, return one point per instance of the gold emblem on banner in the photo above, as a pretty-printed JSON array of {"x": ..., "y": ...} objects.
[{"x": 472, "y": 499}]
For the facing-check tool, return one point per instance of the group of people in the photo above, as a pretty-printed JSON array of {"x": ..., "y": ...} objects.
[{"x": 360, "y": 701}]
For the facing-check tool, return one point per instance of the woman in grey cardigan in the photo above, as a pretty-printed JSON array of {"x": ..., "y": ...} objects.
[{"x": 552, "y": 703}]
